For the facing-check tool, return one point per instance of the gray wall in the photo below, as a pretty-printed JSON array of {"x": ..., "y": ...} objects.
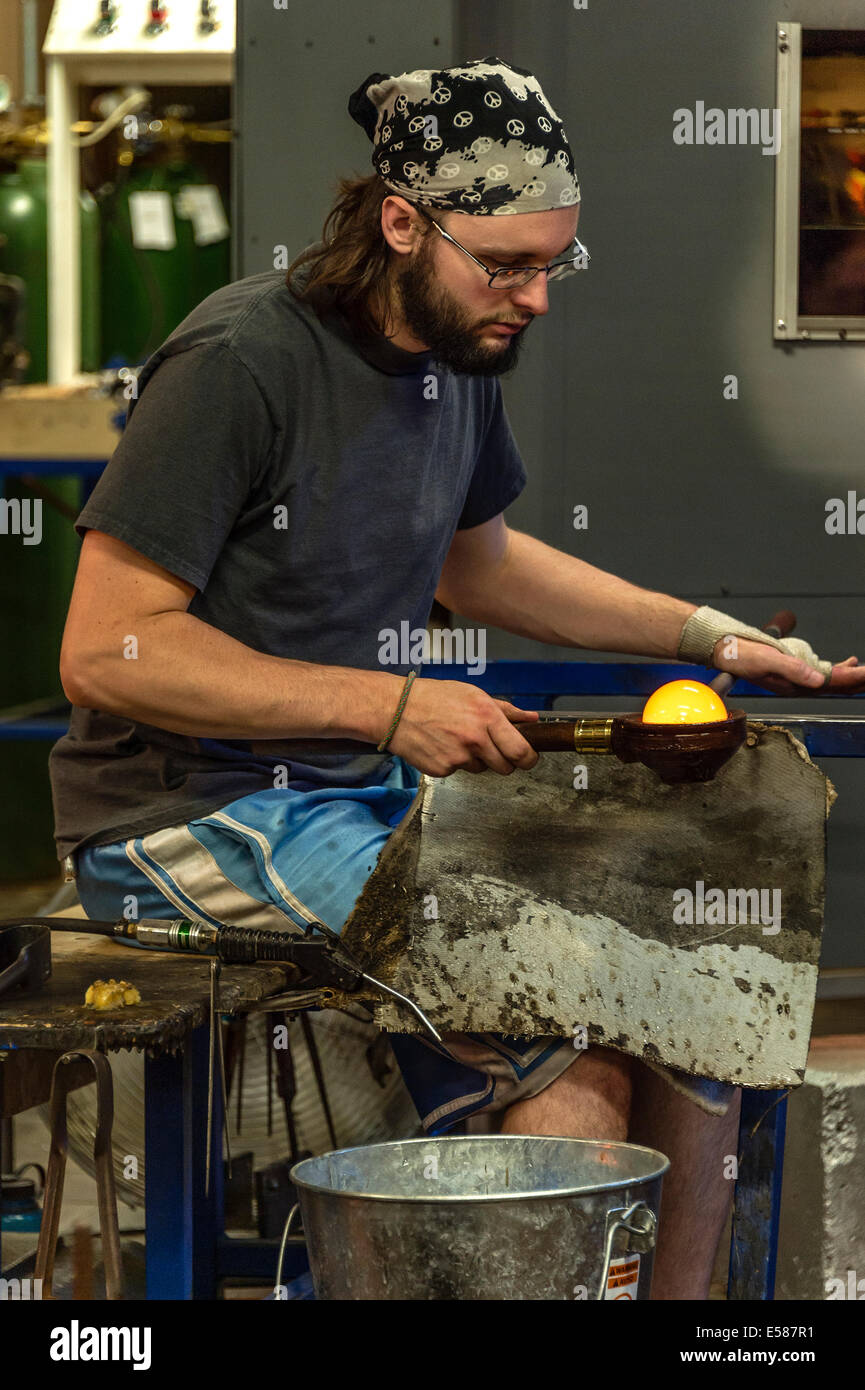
[
  {"x": 296, "y": 69},
  {"x": 617, "y": 402}
]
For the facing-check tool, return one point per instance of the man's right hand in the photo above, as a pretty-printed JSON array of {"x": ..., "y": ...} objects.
[{"x": 448, "y": 726}]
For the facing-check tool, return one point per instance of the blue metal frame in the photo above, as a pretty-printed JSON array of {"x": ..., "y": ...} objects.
[
  {"x": 51, "y": 467},
  {"x": 188, "y": 1253},
  {"x": 538, "y": 684},
  {"x": 757, "y": 1203},
  {"x": 48, "y": 727},
  {"x": 547, "y": 680},
  {"x": 181, "y": 1222}
]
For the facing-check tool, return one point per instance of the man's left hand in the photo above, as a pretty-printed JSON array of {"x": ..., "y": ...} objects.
[{"x": 787, "y": 675}]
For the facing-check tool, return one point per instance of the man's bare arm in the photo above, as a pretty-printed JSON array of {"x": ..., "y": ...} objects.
[
  {"x": 496, "y": 575},
  {"x": 503, "y": 577},
  {"x": 190, "y": 678}
]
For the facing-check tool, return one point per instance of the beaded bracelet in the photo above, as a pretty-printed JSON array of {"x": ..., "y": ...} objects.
[{"x": 409, "y": 680}]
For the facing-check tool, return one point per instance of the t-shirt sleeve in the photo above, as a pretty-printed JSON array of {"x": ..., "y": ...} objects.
[
  {"x": 499, "y": 476},
  {"x": 182, "y": 475}
]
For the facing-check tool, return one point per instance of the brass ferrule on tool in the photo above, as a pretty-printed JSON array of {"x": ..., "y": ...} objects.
[
  {"x": 593, "y": 736},
  {"x": 178, "y": 935}
]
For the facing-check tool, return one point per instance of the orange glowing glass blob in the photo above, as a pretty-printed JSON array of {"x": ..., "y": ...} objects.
[{"x": 684, "y": 702}]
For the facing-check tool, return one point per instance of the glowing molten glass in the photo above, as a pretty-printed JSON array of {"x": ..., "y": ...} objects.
[{"x": 684, "y": 702}]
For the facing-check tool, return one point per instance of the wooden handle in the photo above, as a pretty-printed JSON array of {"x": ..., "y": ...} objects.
[
  {"x": 548, "y": 735},
  {"x": 588, "y": 735},
  {"x": 780, "y": 625}
]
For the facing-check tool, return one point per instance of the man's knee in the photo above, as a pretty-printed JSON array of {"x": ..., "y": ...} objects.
[{"x": 605, "y": 1071}]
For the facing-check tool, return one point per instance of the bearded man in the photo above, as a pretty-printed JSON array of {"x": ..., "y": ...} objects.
[{"x": 312, "y": 459}]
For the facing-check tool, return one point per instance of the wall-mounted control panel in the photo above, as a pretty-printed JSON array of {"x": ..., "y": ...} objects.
[{"x": 137, "y": 28}]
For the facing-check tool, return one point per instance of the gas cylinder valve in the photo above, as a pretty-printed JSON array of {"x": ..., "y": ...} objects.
[
  {"x": 158, "y": 19},
  {"x": 207, "y": 21},
  {"x": 107, "y": 21}
]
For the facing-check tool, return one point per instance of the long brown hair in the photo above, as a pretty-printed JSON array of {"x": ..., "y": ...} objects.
[{"x": 349, "y": 271}]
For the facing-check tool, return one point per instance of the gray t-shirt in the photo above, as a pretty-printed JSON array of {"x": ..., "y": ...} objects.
[{"x": 308, "y": 481}]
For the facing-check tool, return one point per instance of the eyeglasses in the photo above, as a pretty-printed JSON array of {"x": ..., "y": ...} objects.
[{"x": 512, "y": 277}]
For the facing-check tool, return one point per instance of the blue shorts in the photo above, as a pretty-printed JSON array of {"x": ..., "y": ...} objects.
[
  {"x": 258, "y": 862},
  {"x": 266, "y": 859}
]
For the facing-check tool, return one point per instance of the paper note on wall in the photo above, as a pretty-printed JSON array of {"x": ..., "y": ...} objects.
[
  {"x": 202, "y": 204},
  {"x": 152, "y": 219}
]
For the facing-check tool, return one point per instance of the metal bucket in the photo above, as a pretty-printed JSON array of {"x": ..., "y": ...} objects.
[{"x": 482, "y": 1217}]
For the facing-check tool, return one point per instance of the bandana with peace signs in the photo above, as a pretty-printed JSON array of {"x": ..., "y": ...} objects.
[{"x": 478, "y": 138}]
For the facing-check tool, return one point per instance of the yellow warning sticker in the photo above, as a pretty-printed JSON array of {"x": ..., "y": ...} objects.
[{"x": 623, "y": 1278}]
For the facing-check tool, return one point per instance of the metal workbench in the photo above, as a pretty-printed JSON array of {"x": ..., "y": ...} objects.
[{"x": 188, "y": 1253}]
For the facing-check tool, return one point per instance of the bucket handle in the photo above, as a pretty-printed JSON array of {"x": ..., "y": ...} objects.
[
  {"x": 282, "y": 1244},
  {"x": 645, "y": 1229}
]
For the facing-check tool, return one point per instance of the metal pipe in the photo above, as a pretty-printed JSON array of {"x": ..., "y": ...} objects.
[{"x": 30, "y": 91}]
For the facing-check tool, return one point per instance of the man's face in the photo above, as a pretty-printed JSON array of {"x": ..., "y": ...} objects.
[{"x": 446, "y": 302}]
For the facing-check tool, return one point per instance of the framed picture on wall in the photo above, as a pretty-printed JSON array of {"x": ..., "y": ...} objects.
[{"x": 820, "y": 185}]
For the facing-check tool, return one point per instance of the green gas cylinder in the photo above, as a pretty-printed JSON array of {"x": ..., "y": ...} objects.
[
  {"x": 35, "y": 585},
  {"x": 147, "y": 289},
  {"x": 36, "y": 579},
  {"x": 24, "y": 252}
]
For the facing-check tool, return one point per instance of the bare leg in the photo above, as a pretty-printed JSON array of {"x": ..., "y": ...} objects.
[
  {"x": 696, "y": 1194},
  {"x": 590, "y": 1100}
]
